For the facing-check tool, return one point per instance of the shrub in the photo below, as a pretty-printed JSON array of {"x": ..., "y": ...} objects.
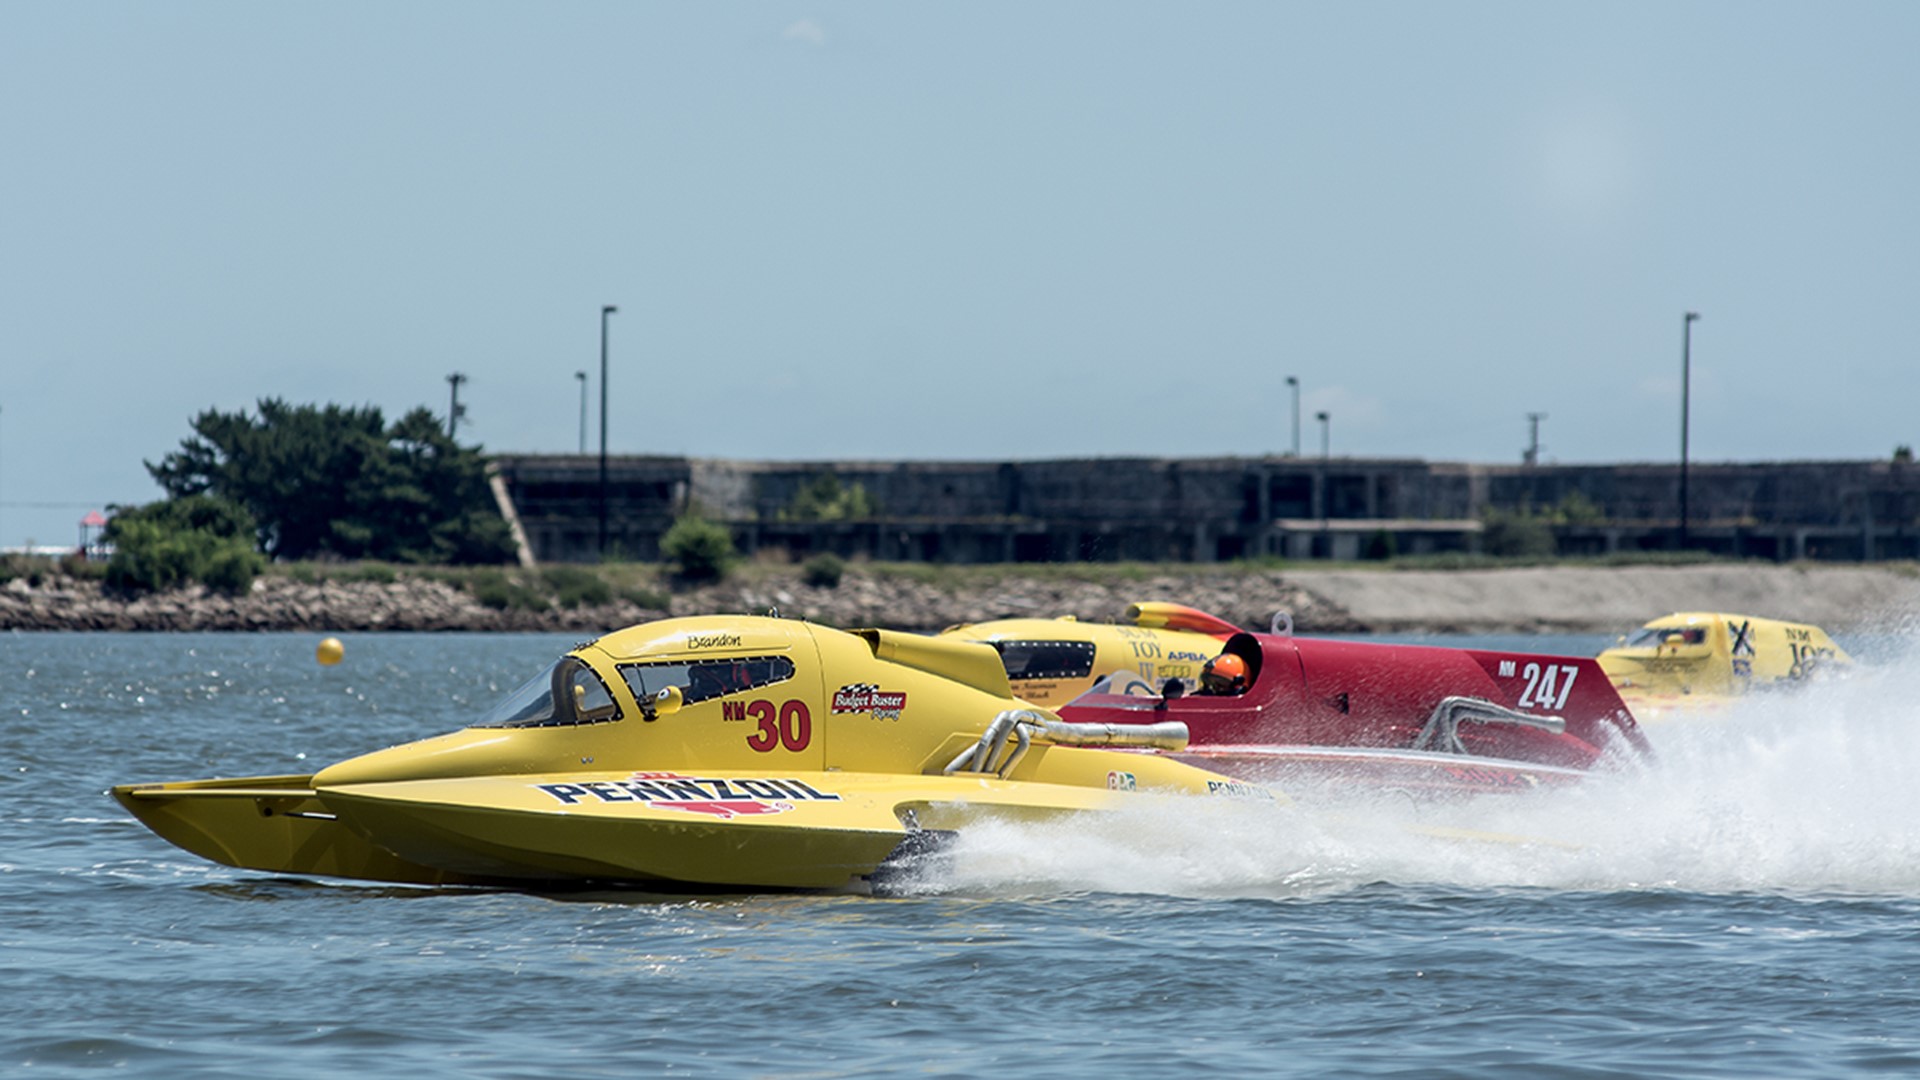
[
  {"x": 823, "y": 571},
  {"x": 1381, "y": 546},
  {"x": 378, "y": 573},
  {"x": 700, "y": 550},
  {"x": 501, "y": 593},
  {"x": 165, "y": 545},
  {"x": 76, "y": 565},
  {"x": 573, "y": 586},
  {"x": 650, "y": 599},
  {"x": 231, "y": 569},
  {"x": 1512, "y": 534}
]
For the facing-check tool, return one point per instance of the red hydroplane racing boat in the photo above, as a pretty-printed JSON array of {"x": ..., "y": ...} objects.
[{"x": 1315, "y": 713}]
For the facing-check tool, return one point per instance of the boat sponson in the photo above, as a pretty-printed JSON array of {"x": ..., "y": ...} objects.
[{"x": 276, "y": 824}]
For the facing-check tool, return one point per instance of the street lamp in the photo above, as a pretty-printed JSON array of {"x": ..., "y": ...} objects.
[
  {"x": 454, "y": 409},
  {"x": 582, "y": 376},
  {"x": 1326, "y": 444},
  {"x": 1686, "y": 385},
  {"x": 604, "y": 312},
  {"x": 1294, "y": 385}
]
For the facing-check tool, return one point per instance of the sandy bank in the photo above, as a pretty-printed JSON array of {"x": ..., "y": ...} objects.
[{"x": 1582, "y": 599}]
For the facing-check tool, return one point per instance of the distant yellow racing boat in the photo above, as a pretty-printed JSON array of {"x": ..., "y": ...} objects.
[{"x": 1691, "y": 662}]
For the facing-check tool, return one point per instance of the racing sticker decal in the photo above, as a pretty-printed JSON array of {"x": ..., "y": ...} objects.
[
  {"x": 1548, "y": 685},
  {"x": 1742, "y": 637},
  {"x": 869, "y": 698},
  {"x": 724, "y": 799},
  {"x": 1236, "y": 789}
]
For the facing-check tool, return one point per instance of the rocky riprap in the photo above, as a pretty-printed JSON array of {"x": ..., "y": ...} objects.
[{"x": 862, "y": 598}]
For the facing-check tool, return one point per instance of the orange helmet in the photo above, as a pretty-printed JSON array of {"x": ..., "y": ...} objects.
[{"x": 1224, "y": 674}]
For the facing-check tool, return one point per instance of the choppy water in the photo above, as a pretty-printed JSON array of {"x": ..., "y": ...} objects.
[{"x": 1751, "y": 907}]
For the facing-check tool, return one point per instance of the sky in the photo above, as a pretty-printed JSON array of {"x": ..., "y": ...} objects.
[{"x": 955, "y": 231}]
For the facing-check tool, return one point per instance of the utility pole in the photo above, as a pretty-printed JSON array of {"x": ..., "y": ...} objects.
[
  {"x": 1686, "y": 385},
  {"x": 455, "y": 410},
  {"x": 1532, "y": 457}
]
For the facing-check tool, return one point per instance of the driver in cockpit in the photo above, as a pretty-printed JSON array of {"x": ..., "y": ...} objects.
[{"x": 1223, "y": 676}]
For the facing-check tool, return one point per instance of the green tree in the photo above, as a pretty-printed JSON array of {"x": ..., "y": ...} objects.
[
  {"x": 1575, "y": 508},
  {"x": 1516, "y": 533},
  {"x": 338, "y": 481},
  {"x": 166, "y": 544},
  {"x": 824, "y": 499}
]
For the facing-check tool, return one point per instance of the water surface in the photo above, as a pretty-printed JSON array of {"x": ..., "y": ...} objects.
[{"x": 1750, "y": 907}]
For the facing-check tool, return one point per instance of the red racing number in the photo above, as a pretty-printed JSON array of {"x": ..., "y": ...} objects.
[{"x": 793, "y": 729}]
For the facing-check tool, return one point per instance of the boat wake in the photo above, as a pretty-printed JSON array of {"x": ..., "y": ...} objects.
[{"x": 1815, "y": 791}]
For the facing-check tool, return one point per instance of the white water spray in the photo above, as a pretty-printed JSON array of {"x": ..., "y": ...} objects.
[{"x": 1815, "y": 790}]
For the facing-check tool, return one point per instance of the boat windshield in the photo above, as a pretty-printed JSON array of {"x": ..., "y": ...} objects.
[
  {"x": 1652, "y": 637},
  {"x": 568, "y": 692},
  {"x": 701, "y": 680},
  {"x": 1046, "y": 659},
  {"x": 1122, "y": 684}
]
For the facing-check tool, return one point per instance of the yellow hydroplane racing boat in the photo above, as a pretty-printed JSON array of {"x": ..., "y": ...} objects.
[
  {"x": 1692, "y": 662},
  {"x": 718, "y": 751}
]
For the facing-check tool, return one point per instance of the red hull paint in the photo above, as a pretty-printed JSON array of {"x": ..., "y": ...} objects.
[{"x": 1312, "y": 694}]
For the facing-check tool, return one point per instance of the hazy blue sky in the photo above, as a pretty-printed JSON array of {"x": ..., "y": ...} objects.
[{"x": 980, "y": 230}]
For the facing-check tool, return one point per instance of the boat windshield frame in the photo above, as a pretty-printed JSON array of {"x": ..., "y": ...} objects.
[
  {"x": 1655, "y": 637},
  {"x": 567, "y": 694}
]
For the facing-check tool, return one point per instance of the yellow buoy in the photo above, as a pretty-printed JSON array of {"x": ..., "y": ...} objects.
[{"x": 330, "y": 652}]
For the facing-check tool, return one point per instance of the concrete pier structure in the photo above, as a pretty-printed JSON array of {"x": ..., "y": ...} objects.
[{"x": 1212, "y": 509}]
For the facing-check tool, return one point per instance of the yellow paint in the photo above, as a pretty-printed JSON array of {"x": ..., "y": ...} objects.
[
  {"x": 808, "y": 779},
  {"x": 1154, "y": 652},
  {"x": 1699, "y": 661}
]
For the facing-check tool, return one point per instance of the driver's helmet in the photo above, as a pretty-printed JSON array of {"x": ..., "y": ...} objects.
[{"x": 1224, "y": 674}]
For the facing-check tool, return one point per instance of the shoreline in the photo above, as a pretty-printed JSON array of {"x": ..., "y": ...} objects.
[{"x": 1563, "y": 599}]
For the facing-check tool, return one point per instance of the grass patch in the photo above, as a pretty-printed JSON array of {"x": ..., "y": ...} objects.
[
  {"x": 502, "y": 593},
  {"x": 575, "y": 586}
]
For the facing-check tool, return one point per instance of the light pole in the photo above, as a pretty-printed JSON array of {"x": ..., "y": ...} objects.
[
  {"x": 1533, "y": 439},
  {"x": 1293, "y": 384},
  {"x": 1326, "y": 446},
  {"x": 582, "y": 376},
  {"x": 604, "y": 312},
  {"x": 1686, "y": 386},
  {"x": 454, "y": 410}
]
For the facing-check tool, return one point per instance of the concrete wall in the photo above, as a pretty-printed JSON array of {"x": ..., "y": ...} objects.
[{"x": 1206, "y": 509}]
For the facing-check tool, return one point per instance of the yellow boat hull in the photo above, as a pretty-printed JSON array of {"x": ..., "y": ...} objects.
[{"x": 798, "y": 830}]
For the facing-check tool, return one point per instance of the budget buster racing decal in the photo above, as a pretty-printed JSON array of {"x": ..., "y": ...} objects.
[
  {"x": 868, "y": 698},
  {"x": 723, "y": 799}
]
